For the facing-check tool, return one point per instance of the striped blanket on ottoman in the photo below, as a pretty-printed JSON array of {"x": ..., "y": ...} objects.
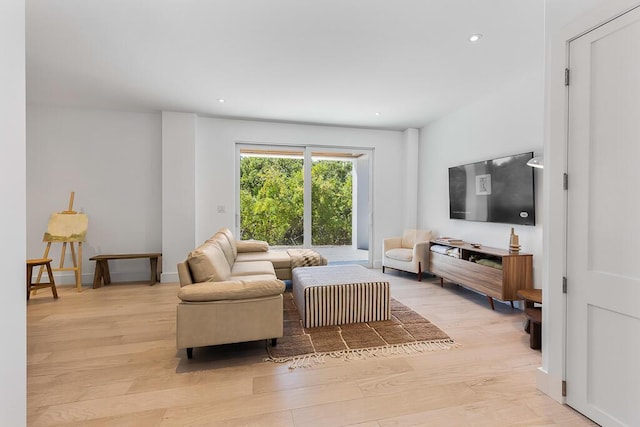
[
  {"x": 305, "y": 258},
  {"x": 340, "y": 294}
]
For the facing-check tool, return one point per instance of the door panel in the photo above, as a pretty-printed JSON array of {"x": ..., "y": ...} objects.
[
  {"x": 610, "y": 366},
  {"x": 603, "y": 236}
]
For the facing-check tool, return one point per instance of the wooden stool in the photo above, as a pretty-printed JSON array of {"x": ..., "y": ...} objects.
[
  {"x": 33, "y": 286},
  {"x": 533, "y": 315}
]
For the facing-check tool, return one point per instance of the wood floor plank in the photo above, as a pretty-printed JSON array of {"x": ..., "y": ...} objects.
[
  {"x": 367, "y": 424},
  {"x": 108, "y": 350},
  {"x": 107, "y": 357},
  {"x": 132, "y": 403},
  {"x": 333, "y": 374},
  {"x": 257, "y": 404},
  {"x": 65, "y": 392},
  {"x": 275, "y": 419},
  {"x": 373, "y": 408},
  {"x": 136, "y": 419},
  {"x": 483, "y": 413}
]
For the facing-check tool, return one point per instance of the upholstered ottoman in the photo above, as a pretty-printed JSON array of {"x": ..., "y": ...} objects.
[{"x": 340, "y": 294}]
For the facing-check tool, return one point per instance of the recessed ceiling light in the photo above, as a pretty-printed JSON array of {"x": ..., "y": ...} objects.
[
  {"x": 475, "y": 38},
  {"x": 221, "y": 101},
  {"x": 378, "y": 113}
]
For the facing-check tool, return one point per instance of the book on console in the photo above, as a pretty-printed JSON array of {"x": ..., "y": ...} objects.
[{"x": 449, "y": 240}]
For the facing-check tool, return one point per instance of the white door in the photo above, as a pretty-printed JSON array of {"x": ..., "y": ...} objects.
[{"x": 603, "y": 223}]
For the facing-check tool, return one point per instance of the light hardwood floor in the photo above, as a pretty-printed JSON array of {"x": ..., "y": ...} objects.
[{"x": 107, "y": 357}]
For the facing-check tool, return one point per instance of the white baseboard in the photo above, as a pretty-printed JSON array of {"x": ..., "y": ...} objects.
[
  {"x": 550, "y": 385},
  {"x": 169, "y": 277},
  {"x": 68, "y": 278}
]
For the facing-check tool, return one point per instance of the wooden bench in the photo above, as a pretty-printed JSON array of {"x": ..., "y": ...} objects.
[{"x": 102, "y": 275}]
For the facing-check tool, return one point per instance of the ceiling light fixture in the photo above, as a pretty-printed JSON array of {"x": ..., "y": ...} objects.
[
  {"x": 378, "y": 113},
  {"x": 475, "y": 38},
  {"x": 221, "y": 101}
]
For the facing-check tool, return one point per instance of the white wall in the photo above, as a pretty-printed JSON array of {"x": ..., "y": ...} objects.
[
  {"x": 410, "y": 193},
  {"x": 178, "y": 190},
  {"x": 559, "y": 13},
  {"x": 215, "y": 158},
  {"x": 13, "y": 361},
  {"x": 509, "y": 121},
  {"x": 112, "y": 160}
]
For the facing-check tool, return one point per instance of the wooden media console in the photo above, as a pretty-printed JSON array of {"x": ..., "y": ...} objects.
[{"x": 502, "y": 284}]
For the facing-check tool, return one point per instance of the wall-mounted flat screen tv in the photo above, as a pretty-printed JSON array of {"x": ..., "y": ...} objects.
[{"x": 497, "y": 190}]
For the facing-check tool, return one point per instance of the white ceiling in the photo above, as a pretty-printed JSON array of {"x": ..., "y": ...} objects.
[{"x": 332, "y": 62}]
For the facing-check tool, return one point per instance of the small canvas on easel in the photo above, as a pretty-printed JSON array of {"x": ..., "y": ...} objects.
[{"x": 65, "y": 227}]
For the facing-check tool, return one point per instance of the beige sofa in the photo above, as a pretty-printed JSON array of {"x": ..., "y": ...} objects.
[{"x": 229, "y": 292}]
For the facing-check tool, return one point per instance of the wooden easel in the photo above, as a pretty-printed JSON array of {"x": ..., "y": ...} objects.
[{"x": 76, "y": 258}]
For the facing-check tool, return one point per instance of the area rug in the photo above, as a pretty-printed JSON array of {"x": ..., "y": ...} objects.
[{"x": 405, "y": 333}]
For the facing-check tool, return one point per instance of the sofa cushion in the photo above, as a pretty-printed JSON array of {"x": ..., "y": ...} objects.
[
  {"x": 411, "y": 237},
  {"x": 208, "y": 264},
  {"x": 252, "y": 246},
  {"x": 279, "y": 259},
  {"x": 252, "y": 267},
  {"x": 231, "y": 290},
  {"x": 222, "y": 241},
  {"x": 232, "y": 240},
  {"x": 400, "y": 254},
  {"x": 255, "y": 277}
]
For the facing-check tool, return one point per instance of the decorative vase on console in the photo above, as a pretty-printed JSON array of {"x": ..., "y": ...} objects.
[{"x": 514, "y": 242}]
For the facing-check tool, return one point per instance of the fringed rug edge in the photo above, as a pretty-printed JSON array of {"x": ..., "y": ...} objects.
[{"x": 311, "y": 359}]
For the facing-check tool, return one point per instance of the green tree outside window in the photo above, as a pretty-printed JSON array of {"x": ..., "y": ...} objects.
[{"x": 272, "y": 198}]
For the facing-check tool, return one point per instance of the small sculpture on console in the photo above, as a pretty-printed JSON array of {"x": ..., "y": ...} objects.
[{"x": 514, "y": 242}]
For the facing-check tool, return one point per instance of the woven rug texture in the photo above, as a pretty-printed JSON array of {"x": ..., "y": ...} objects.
[{"x": 405, "y": 332}]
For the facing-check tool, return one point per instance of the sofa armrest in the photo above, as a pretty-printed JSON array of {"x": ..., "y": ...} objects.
[
  {"x": 230, "y": 290},
  {"x": 421, "y": 253},
  {"x": 184, "y": 274},
  {"x": 252, "y": 246},
  {"x": 391, "y": 243}
]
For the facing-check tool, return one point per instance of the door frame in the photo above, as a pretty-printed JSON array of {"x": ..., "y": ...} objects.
[{"x": 552, "y": 373}]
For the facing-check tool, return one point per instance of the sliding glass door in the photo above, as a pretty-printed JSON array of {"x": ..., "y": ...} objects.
[
  {"x": 331, "y": 200},
  {"x": 306, "y": 197}
]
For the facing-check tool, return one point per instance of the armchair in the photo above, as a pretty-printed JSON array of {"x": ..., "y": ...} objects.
[{"x": 407, "y": 253}]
